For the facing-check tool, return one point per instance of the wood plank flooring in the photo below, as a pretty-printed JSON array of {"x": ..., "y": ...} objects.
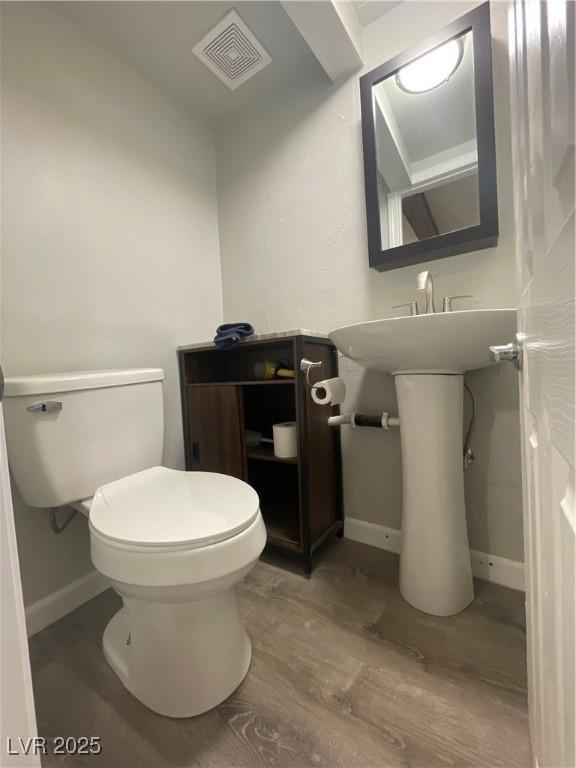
[{"x": 345, "y": 674}]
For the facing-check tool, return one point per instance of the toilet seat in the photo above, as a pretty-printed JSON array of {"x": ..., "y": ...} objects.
[
  {"x": 167, "y": 528},
  {"x": 167, "y": 509}
]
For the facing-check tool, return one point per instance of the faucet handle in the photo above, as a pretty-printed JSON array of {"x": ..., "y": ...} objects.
[
  {"x": 447, "y": 301},
  {"x": 413, "y": 307}
]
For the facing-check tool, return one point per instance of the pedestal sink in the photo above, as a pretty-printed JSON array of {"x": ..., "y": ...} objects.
[{"x": 428, "y": 355}]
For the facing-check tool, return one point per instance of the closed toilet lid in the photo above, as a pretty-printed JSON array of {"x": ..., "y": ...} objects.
[{"x": 167, "y": 507}]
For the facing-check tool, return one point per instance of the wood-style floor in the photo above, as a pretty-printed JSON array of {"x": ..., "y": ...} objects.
[{"x": 344, "y": 674}]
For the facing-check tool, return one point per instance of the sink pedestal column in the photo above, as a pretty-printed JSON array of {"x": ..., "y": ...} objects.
[{"x": 435, "y": 570}]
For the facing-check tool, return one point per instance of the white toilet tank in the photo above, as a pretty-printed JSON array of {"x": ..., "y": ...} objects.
[{"x": 70, "y": 433}]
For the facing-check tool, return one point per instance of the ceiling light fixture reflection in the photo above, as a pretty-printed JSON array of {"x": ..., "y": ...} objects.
[{"x": 432, "y": 69}]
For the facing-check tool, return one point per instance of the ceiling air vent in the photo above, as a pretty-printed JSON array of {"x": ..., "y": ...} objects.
[{"x": 232, "y": 51}]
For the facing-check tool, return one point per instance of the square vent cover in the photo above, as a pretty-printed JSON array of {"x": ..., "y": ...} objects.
[{"x": 232, "y": 51}]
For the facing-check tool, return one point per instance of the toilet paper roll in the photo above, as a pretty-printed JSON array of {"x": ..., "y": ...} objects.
[
  {"x": 329, "y": 391},
  {"x": 285, "y": 442}
]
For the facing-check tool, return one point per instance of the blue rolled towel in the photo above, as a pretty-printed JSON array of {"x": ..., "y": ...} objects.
[{"x": 230, "y": 334}]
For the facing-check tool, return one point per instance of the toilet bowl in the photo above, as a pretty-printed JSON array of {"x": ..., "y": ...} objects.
[{"x": 173, "y": 544}]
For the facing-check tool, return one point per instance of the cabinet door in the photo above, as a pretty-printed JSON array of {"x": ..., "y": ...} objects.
[{"x": 215, "y": 429}]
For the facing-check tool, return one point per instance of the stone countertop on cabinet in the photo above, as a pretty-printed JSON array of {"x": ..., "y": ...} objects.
[{"x": 260, "y": 337}]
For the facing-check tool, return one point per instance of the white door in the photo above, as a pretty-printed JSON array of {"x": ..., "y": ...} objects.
[
  {"x": 17, "y": 718},
  {"x": 542, "y": 96}
]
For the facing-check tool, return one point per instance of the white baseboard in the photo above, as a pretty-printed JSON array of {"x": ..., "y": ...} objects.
[
  {"x": 373, "y": 534},
  {"x": 49, "y": 609},
  {"x": 500, "y": 570}
]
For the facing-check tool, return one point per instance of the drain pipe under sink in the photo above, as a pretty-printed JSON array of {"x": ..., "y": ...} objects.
[{"x": 380, "y": 421}]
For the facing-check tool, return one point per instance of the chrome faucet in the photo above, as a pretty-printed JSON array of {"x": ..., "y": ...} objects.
[{"x": 426, "y": 286}]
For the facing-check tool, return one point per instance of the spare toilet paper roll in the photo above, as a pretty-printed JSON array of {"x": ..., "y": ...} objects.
[
  {"x": 329, "y": 391},
  {"x": 285, "y": 442}
]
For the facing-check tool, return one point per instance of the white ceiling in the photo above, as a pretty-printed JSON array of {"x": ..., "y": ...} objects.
[
  {"x": 157, "y": 37},
  {"x": 369, "y": 11}
]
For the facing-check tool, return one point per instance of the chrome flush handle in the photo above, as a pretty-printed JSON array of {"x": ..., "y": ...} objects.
[{"x": 47, "y": 406}]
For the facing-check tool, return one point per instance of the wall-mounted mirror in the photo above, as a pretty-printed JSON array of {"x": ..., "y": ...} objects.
[{"x": 429, "y": 154}]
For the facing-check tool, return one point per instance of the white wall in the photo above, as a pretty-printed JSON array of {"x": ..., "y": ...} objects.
[
  {"x": 110, "y": 235},
  {"x": 293, "y": 249}
]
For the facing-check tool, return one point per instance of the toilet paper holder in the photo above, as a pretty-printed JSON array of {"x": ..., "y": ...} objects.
[
  {"x": 322, "y": 391},
  {"x": 306, "y": 366}
]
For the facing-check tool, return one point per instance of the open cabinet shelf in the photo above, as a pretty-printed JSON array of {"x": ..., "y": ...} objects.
[
  {"x": 266, "y": 453},
  {"x": 278, "y": 489},
  {"x": 256, "y": 382}
]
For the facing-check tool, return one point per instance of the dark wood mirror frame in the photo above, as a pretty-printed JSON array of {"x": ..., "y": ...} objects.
[{"x": 483, "y": 235}]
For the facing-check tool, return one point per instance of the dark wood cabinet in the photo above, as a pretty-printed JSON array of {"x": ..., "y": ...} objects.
[
  {"x": 215, "y": 425},
  {"x": 300, "y": 497}
]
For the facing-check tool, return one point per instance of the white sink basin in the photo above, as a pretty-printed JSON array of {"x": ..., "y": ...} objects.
[
  {"x": 428, "y": 355},
  {"x": 445, "y": 342}
]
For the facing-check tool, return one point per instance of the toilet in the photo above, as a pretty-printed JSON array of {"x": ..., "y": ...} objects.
[{"x": 174, "y": 544}]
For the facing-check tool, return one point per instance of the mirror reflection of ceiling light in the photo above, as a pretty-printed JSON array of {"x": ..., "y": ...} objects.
[{"x": 432, "y": 69}]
